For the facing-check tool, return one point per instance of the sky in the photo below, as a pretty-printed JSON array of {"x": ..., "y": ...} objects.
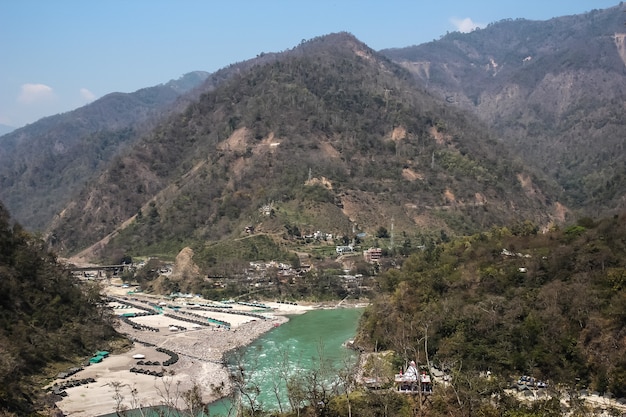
[{"x": 58, "y": 55}]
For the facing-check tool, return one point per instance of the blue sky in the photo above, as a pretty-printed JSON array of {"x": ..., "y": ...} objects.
[{"x": 59, "y": 55}]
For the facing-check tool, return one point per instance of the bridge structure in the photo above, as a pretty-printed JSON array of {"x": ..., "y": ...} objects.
[{"x": 100, "y": 270}]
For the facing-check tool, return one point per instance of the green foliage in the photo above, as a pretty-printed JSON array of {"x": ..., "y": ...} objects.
[
  {"x": 321, "y": 112},
  {"x": 527, "y": 228},
  {"x": 462, "y": 165},
  {"x": 545, "y": 305},
  {"x": 382, "y": 233},
  {"x": 149, "y": 272},
  {"x": 45, "y": 316},
  {"x": 517, "y": 76},
  {"x": 317, "y": 193},
  {"x": 574, "y": 231},
  {"x": 45, "y": 164},
  {"x": 252, "y": 248}
]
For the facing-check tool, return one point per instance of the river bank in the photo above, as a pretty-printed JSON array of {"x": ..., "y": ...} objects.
[{"x": 200, "y": 351}]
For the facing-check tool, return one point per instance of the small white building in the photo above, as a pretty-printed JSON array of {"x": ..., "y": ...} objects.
[{"x": 344, "y": 249}]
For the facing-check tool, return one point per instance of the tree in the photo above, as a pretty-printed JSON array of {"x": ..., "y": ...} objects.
[
  {"x": 192, "y": 399},
  {"x": 296, "y": 394},
  {"x": 347, "y": 380},
  {"x": 247, "y": 391},
  {"x": 315, "y": 387},
  {"x": 45, "y": 316},
  {"x": 153, "y": 214},
  {"x": 295, "y": 261}
]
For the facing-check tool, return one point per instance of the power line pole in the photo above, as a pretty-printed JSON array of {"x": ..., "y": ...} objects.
[{"x": 391, "y": 235}]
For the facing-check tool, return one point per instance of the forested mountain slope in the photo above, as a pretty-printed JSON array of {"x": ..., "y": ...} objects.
[
  {"x": 44, "y": 163},
  {"x": 333, "y": 135},
  {"x": 513, "y": 302},
  {"x": 45, "y": 318},
  {"x": 553, "y": 90}
]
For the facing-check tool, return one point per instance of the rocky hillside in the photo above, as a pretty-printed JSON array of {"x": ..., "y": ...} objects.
[
  {"x": 553, "y": 90},
  {"x": 328, "y": 136},
  {"x": 44, "y": 163}
]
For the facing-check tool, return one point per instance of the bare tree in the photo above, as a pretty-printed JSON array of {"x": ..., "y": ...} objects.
[
  {"x": 279, "y": 378},
  {"x": 118, "y": 397},
  {"x": 246, "y": 390},
  {"x": 378, "y": 366},
  {"x": 296, "y": 393},
  {"x": 169, "y": 392},
  {"x": 314, "y": 387},
  {"x": 347, "y": 378},
  {"x": 174, "y": 402},
  {"x": 193, "y": 401}
]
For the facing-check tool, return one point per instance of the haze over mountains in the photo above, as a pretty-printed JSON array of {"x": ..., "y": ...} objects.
[
  {"x": 520, "y": 120},
  {"x": 43, "y": 164}
]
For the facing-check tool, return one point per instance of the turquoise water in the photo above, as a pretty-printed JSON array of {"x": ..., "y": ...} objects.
[
  {"x": 295, "y": 347},
  {"x": 292, "y": 348}
]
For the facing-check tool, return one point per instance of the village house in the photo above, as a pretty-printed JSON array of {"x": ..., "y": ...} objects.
[
  {"x": 373, "y": 255},
  {"x": 344, "y": 249}
]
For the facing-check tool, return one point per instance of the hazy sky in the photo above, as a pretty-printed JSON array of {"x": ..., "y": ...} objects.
[{"x": 57, "y": 55}]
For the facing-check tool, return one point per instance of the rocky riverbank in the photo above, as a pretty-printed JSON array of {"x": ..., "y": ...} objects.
[{"x": 200, "y": 360}]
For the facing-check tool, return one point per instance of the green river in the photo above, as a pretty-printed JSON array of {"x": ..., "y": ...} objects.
[{"x": 295, "y": 346}]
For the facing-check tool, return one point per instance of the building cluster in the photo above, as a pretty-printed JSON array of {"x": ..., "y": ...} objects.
[
  {"x": 260, "y": 269},
  {"x": 262, "y": 274}
]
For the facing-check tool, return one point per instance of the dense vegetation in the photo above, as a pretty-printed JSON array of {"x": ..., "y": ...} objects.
[
  {"x": 553, "y": 90},
  {"x": 334, "y": 137},
  {"x": 42, "y": 165},
  {"x": 513, "y": 302},
  {"x": 330, "y": 133},
  {"x": 46, "y": 318}
]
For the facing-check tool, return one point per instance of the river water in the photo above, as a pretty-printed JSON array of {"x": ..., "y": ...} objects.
[
  {"x": 294, "y": 347},
  {"x": 290, "y": 349}
]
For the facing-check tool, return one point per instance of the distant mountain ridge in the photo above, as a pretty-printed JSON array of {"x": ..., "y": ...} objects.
[
  {"x": 332, "y": 134},
  {"x": 44, "y": 163},
  {"x": 554, "y": 91},
  {"x": 553, "y": 101}
]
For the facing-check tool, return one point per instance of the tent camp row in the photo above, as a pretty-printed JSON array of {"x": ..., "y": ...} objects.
[{"x": 99, "y": 356}]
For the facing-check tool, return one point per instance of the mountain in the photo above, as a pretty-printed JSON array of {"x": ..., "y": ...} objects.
[
  {"x": 327, "y": 136},
  {"x": 46, "y": 319},
  {"x": 42, "y": 164},
  {"x": 551, "y": 306},
  {"x": 553, "y": 90}
]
